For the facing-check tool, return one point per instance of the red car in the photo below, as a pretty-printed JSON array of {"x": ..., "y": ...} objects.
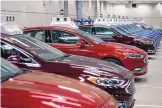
[
  {"x": 111, "y": 34},
  {"x": 25, "y": 89},
  {"x": 74, "y": 41},
  {"x": 30, "y": 53}
]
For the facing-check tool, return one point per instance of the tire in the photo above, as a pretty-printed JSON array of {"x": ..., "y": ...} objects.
[{"x": 114, "y": 61}]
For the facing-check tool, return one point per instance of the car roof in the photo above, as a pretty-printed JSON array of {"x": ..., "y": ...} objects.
[
  {"x": 3, "y": 35},
  {"x": 48, "y": 27},
  {"x": 96, "y": 25}
]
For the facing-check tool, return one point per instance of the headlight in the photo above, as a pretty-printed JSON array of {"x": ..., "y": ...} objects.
[
  {"x": 145, "y": 41},
  {"x": 149, "y": 42},
  {"x": 106, "y": 81},
  {"x": 132, "y": 55}
]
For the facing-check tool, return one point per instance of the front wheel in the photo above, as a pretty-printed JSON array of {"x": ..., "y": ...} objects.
[{"x": 114, "y": 61}]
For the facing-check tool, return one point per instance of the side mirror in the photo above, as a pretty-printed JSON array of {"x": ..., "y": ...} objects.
[
  {"x": 17, "y": 61},
  {"x": 80, "y": 43},
  {"x": 14, "y": 59}
]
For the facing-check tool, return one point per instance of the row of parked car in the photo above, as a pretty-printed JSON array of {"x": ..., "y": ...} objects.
[
  {"x": 136, "y": 34},
  {"x": 60, "y": 54}
]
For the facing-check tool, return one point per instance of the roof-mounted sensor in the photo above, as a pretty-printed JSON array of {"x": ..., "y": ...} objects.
[
  {"x": 9, "y": 26},
  {"x": 63, "y": 22}
]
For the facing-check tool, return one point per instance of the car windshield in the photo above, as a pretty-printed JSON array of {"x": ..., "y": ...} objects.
[
  {"x": 120, "y": 31},
  {"x": 91, "y": 37},
  {"x": 8, "y": 70},
  {"x": 38, "y": 48}
]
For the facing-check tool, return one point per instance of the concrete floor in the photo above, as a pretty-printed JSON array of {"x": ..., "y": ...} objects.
[{"x": 149, "y": 87}]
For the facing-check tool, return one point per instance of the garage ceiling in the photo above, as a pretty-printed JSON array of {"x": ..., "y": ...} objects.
[{"x": 134, "y": 1}]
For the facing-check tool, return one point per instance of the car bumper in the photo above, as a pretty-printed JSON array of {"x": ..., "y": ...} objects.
[
  {"x": 129, "y": 104},
  {"x": 141, "y": 71},
  {"x": 139, "y": 74},
  {"x": 125, "y": 96},
  {"x": 150, "y": 49},
  {"x": 138, "y": 68}
]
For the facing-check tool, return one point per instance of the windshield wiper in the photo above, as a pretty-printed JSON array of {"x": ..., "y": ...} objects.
[
  {"x": 60, "y": 58},
  {"x": 64, "y": 56},
  {"x": 67, "y": 55},
  {"x": 5, "y": 78},
  {"x": 8, "y": 77},
  {"x": 14, "y": 75}
]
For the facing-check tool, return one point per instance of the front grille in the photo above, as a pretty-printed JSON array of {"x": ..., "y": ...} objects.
[
  {"x": 129, "y": 104},
  {"x": 130, "y": 88}
]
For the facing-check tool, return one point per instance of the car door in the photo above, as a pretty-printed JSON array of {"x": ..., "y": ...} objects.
[
  {"x": 66, "y": 42},
  {"x": 38, "y": 34},
  {"x": 105, "y": 34}
]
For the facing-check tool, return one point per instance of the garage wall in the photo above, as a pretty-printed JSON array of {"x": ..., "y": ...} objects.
[
  {"x": 72, "y": 8},
  {"x": 31, "y": 13},
  {"x": 149, "y": 12},
  {"x": 89, "y": 8},
  {"x": 161, "y": 14}
]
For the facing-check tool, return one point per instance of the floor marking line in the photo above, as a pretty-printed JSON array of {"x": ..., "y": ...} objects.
[
  {"x": 153, "y": 106},
  {"x": 149, "y": 87}
]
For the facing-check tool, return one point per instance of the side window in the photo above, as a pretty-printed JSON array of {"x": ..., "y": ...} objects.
[
  {"x": 86, "y": 29},
  {"x": 8, "y": 50},
  {"x": 38, "y": 34},
  {"x": 63, "y": 37},
  {"x": 103, "y": 31}
]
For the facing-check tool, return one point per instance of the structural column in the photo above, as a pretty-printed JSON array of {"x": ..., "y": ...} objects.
[
  {"x": 95, "y": 9},
  {"x": 66, "y": 8},
  {"x": 79, "y": 8}
]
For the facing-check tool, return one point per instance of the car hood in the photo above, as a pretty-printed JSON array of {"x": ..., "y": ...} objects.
[
  {"x": 51, "y": 89},
  {"x": 121, "y": 48},
  {"x": 95, "y": 67}
]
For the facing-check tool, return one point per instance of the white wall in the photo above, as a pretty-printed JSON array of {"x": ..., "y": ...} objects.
[
  {"x": 89, "y": 8},
  {"x": 26, "y": 19},
  {"x": 152, "y": 13},
  {"x": 149, "y": 12},
  {"x": 72, "y": 8},
  {"x": 161, "y": 14}
]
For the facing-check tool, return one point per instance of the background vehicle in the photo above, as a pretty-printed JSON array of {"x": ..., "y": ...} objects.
[
  {"x": 37, "y": 55},
  {"x": 78, "y": 42},
  {"x": 36, "y": 89},
  {"x": 113, "y": 34},
  {"x": 138, "y": 31}
]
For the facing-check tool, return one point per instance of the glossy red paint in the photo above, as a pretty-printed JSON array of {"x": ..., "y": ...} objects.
[
  {"x": 101, "y": 51},
  {"x": 78, "y": 67},
  {"x": 45, "y": 90}
]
